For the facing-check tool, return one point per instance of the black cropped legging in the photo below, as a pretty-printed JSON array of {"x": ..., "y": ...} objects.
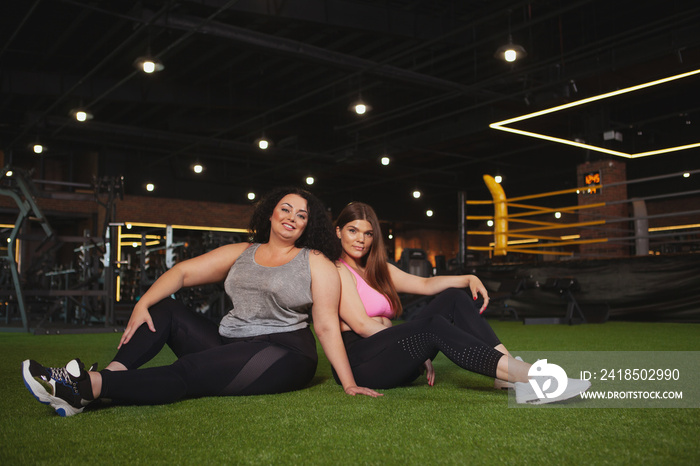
[
  {"x": 208, "y": 364},
  {"x": 450, "y": 323}
]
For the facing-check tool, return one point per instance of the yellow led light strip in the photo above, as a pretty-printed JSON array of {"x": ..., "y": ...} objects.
[
  {"x": 186, "y": 227},
  {"x": 135, "y": 244},
  {"x": 139, "y": 236},
  {"x": 501, "y": 125}
]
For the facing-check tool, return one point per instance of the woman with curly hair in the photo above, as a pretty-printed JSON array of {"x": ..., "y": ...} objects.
[{"x": 262, "y": 345}]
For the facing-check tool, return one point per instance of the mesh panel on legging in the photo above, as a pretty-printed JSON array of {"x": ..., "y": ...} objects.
[
  {"x": 394, "y": 356},
  {"x": 457, "y": 306},
  {"x": 480, "y": 359},
  {"x": 259, "y": 365}
]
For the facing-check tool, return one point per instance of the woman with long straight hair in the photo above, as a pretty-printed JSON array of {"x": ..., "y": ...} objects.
[{"x": 383, "y": 355}]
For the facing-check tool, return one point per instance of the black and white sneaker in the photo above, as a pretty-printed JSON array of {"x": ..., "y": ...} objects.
[{"x": 59, "y": 387}]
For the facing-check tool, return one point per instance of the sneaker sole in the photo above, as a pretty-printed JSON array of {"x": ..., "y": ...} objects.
[
  {"x": 62, "y": 408},
  {"x": 34, "y": 387},
  {"x": 559, "y": 398}
]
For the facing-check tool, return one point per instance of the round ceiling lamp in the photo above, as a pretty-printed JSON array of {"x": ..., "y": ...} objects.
[{"x": 149, "y": 65}]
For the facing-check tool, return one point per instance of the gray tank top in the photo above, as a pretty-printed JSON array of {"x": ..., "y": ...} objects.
[{"x": 267, "y": 299}]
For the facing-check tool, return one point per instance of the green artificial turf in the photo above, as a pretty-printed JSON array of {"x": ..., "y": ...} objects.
[{"x": 462, "y": 419}]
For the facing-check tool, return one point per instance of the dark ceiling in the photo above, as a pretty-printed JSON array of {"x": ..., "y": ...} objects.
[{"x": 235, "y": 70}]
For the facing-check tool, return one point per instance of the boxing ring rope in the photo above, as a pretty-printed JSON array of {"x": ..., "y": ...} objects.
[{"x": 531, "y": 231}]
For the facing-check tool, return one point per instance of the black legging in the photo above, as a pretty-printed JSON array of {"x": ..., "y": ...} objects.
[
  {"x": 450, "y": 323},
  {"x": 208, "y": 364}
]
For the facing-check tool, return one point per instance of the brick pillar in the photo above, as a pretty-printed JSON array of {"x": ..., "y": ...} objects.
[{"x": 610, "y": 171}]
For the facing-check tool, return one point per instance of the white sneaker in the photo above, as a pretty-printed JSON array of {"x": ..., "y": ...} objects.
[
  {"x": 500, "y": 384},
  {"x": 524, "y": 393}
]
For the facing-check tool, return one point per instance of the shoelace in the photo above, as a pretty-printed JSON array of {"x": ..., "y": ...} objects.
[{"x": 60, "y": 374}]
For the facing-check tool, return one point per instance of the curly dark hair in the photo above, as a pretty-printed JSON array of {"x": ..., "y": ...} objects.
[{"x": 318, "y": 233}]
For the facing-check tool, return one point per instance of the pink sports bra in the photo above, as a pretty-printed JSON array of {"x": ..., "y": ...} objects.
[{"x": 376, "y": 304}]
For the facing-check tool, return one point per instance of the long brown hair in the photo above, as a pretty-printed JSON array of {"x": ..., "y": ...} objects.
[{"x": 375, "y": 262}]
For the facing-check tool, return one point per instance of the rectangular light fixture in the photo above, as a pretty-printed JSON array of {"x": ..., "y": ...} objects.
[{"x": 502, "y": 125}]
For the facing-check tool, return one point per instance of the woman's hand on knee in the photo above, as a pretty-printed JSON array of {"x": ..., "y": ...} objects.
[
  {"x": 477, "y": 288},
  {"x": 139, "y": 316}
]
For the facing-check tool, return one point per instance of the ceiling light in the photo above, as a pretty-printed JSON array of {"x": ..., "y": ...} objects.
[
  {"x": 498, "y": 179},
  {"x": 81, "y": 114},
  {"x": 149, "y": 65},
  {"x": 686, "y": 175},
  {"x": 416, "y": 194},
  {"x": 150, "y": 187},
  {"x": 251, "y": 196},
  {"x": 310, "y": 180},
  {"x": 263, "y": 143},
  {"x": 501, "y": 125},
  {"x": 385, "y": 160},
  {"x": 557, "y": 214},
  {"x": 360, "y": 107},
  {"x": 197, "y": 167},
  {"x": 429, "y": 213},
  {"x": 38, "y": 148},
  {"x": 510, "y": 52}
]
